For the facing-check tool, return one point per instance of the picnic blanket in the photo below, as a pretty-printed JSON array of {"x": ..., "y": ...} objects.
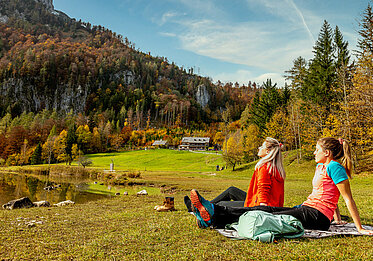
[{"x": 348, "y": 229}]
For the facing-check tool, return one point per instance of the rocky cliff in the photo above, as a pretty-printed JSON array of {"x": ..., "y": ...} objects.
[
  {"x": 30, "y": 98},
  {"x": 202, "y": 96},
  {"x": 47, "y": 3}
]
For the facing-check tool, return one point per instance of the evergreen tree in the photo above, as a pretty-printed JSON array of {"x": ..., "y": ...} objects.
[
  {"x": 36, "y": 156},
  {"x": 321, "y": 76},
  {"x": 341, "y": 49},
  {"x": 265, "y": 105},
  {"x": 53, "y": 132},
  {"x": 285, "y": 97},
  {"x": 257, "y": 116},
  {"x": 297, "y": 73},
  {"x": 365, "y": 43},
  {"x": 343, "y": 67}
]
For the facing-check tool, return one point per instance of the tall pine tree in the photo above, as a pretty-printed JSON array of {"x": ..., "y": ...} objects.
[
  {"x": 297, "y": 73},
  {"x": 36, "y": 156},
  {"x": 266, "y": 104},
  {"x": 342, "y": 67},
  {"x": 341, "y": 49},
  {"x": 319, "y": 82},
  {"x": 365, "y": 42}
]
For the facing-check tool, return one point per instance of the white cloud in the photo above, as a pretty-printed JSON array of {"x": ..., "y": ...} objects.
[
  {"x": 275, "y": 77},
  {"x": 269, "y": 45},
  {"x": 258, "y": 45},
  {"x": 167, "y": 34},
  {"x": 166, "y": 16},
  {"x": 201, "y": 7},
  {"x": 244, "y": 76}
]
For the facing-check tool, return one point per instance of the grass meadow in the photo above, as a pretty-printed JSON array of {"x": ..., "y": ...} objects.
[{"x": 128, "y": 228}]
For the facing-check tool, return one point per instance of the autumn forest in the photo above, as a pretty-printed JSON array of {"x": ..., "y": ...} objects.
[{"x": 69, "y": 88}]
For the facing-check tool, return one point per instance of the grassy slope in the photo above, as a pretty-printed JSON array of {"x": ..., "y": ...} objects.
[
  {"x": 158, "y": 160},
  {"x": 127, "y": 227}
]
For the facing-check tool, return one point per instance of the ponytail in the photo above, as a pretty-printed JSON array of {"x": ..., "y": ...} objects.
[
  {"x": 346, "y": 159},
  {"x": 340, "y": 150}
]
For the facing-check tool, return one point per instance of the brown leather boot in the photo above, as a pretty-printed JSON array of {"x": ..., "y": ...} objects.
[{"x": 168, "y": 205}]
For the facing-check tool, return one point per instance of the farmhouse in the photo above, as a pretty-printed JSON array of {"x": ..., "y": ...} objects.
[{"x": 194, "y": 143}]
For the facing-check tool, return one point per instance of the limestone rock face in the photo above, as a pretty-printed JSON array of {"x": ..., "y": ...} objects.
[
  {"x": 19, "y": 203},
  {"x": 3, "y": 18},
  {"x": 127, "y": 76},
  {"x": 61, "y": 98},
  {"x": 202, "y": 95},
  {"x": 47, "y": 3}
]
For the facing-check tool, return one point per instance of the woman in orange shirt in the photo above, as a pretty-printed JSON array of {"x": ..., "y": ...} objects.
[{"x": 267, "y": 183}]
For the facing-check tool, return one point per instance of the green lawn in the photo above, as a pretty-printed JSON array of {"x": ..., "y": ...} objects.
[
  {"x": 158, "y": 160},
  {"x": 128, "y": 228}
]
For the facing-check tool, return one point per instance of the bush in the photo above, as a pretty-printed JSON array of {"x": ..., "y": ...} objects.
[{"x": 133, "y": 174}]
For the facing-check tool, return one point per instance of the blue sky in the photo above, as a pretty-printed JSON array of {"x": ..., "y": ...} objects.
[{"x": 230, "y": 41}]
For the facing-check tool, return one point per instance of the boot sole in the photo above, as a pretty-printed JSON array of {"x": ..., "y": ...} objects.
[{"x": 198, "y": 205}]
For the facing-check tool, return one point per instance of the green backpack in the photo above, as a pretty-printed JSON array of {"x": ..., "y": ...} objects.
[{"x": 265, "y": 227}]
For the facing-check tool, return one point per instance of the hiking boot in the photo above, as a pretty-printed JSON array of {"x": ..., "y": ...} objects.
[
  {"x": 168, "y": 205},
  {"x": 188, "y": 203},
  {"x": 199, "y": 220},
  {"x": 202, "y": 208}
]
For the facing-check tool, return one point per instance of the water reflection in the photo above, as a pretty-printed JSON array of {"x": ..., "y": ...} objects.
[{"x": 14, "y": 186}]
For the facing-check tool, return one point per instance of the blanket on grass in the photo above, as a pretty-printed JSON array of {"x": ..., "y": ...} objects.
[{"x": 348, "y": 229}]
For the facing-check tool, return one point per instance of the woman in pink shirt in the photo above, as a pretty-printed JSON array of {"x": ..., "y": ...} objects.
[{"x": 333, "y": 158}]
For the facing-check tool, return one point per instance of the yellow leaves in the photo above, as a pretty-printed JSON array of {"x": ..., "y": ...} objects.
[
  {"x": 233, "y": 151},
  {"x": 251, "y": 141},
  {"x": 279, "y": 127},
  {"x": 83, "y": 134},
  {"x": 335, "y": 126},
  {"x": 75, "y": 152},
  {"x": 219, "y": 138},
  {"x": 360, "y": 105},
  {"x": 234, "y": 125},
  {"x": 370, "y": 131}
]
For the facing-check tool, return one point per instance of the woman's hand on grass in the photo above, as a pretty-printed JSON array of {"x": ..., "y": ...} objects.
[
  {"x": 366, "y": 231},
  {"x": 339, "y": 222}
]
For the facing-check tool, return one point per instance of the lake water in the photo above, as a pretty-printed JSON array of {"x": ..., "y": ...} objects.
[{"x": 15, "y": 186}]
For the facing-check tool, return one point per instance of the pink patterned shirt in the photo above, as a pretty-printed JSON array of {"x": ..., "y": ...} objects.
[{"x": 325, "y": 194}]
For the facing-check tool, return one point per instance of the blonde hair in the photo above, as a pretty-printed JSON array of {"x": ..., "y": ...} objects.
[
  {"x": 340, "y": 150},
  {"x": 273, "y": 158}
]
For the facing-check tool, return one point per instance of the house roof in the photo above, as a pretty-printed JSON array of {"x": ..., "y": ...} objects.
[
  {"x": 196, "y": 139},
  {"x": 159, "y": 143}
]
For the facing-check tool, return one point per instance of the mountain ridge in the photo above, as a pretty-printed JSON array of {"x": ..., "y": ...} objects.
[{"x": 50, "y": 61}]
